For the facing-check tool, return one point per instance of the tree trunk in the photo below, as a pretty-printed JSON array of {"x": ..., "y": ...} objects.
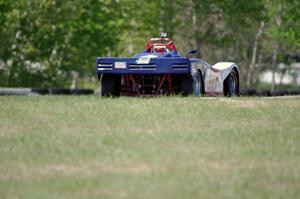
[
  {"x": 197, "y": 34},
  {"x": 254, "y": 54},
  {"x": 274, "y": 64}
]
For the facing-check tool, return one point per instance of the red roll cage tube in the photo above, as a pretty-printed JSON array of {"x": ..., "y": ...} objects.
[{"x": 160, "y": 42}]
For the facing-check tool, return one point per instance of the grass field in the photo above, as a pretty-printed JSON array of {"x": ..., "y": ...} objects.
[{"x": 88, "y": 147}]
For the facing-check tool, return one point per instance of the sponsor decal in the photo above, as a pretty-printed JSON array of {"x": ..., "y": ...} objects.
[
  {"x": 145, "y": 59},
  {"x": 120, "y": 65}
]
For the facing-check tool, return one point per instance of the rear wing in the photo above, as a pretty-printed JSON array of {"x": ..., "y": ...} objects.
[{"x": 178, "y": 65}]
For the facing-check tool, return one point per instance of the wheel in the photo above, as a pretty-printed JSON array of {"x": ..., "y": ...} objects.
[
  {"x": 192, "y": 85},
  {"x": 231, "y": 84},
  {"x": 110, "y": 85}
]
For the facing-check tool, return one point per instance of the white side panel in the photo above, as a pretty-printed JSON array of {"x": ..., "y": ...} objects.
[{"x": 216, "y": 75}]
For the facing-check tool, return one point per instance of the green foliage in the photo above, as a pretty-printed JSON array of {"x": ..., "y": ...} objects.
[
  {"x": 57, "y": 36},
  {"x": 43, "y": 41},
  {"x": 285, "y": 27}
]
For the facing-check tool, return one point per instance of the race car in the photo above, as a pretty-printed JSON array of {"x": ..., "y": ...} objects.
[{"x": 161, "y": 70}]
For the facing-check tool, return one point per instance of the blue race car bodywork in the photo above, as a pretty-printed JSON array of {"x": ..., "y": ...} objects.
[
  {"x": 139, "y": 65},
  {"x": 160, "y": 70}
]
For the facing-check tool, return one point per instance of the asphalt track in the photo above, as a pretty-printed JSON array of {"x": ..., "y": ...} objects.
[
  {"x": 66, "y": 91},
  {"x": 44, "y": 91}
]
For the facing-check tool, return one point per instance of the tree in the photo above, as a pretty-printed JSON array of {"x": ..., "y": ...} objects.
[
  {"x": 49, "y": 38},
  {"x": 43, "y": 41}
]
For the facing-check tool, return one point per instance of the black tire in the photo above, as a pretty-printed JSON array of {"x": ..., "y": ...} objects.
[
  {"x": 77, "y": 91},
  {"x": 192, "y": 85},
  {"x": 60, "y": 91},
  {"x": 231, "y": 84},
  {"x": 110, "y": 85},
  {"x": 41, "y": 91}
]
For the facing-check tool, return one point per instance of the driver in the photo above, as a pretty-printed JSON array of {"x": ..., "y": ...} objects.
[{"x": 161, "y": 45}]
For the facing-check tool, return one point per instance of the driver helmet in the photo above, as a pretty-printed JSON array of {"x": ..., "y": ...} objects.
[{"x": 160, "y": 49}]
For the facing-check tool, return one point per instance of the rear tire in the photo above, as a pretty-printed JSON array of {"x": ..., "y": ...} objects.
[
  {"x": 231, "y": 84},
  {"x": 110, "y": 85},
  {"x": 192, "y": 85}
]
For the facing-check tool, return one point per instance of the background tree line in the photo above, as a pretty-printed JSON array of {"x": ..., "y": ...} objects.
[{"x": 42, "y": 42}]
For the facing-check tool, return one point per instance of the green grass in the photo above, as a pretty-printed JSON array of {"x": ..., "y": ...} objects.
[{"x": 88, "y": 147}]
